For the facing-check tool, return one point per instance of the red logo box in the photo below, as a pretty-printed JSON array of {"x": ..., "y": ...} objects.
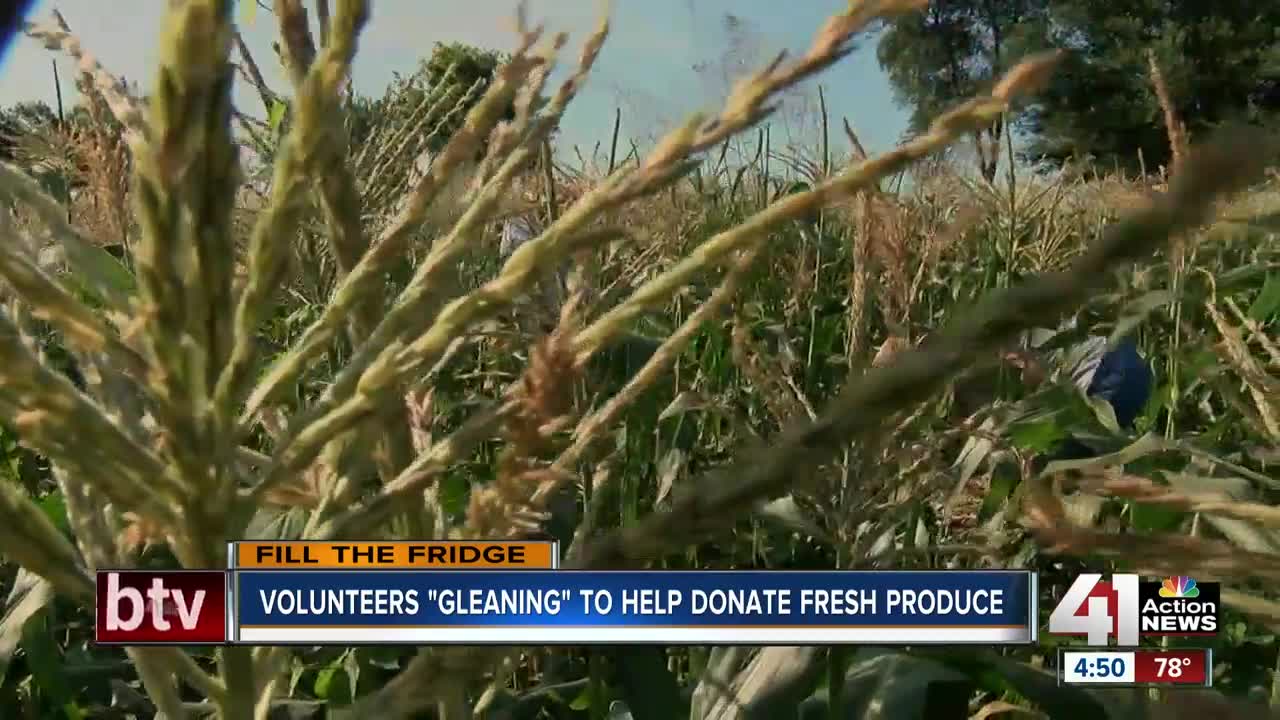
[{"x": 173, "y": 607}]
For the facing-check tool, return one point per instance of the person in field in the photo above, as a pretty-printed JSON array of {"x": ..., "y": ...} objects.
[
  {"x": 518, "y": 229},
  {"x": 1114, "y": 372}
]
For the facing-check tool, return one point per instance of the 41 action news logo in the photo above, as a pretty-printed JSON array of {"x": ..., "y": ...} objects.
[{"x": 1128, "y": 608}]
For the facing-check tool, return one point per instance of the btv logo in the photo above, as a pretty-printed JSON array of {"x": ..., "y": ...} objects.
[
  {"x": 175, "y": 607},
  {"x": 1128, "y": 608},
  {"x": 188, "y": 615}
]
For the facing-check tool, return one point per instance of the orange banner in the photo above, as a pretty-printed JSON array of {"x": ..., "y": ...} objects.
[{"x": 450, "y": 555}]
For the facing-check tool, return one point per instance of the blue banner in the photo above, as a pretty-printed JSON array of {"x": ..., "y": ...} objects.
[{"x": 581, "y": 607}]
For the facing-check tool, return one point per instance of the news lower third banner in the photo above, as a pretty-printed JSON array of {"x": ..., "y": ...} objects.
[
  {"x": 269, "y": 603},
  {"x": 678, "y": 607}
]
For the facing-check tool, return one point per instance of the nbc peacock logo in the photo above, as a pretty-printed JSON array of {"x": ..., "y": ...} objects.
[{"x": 1179, "y": 586}]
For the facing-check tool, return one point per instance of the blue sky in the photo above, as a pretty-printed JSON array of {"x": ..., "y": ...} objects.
[{"x": 646, "y": 68}]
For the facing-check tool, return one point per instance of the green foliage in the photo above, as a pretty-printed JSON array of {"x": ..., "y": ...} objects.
[
  {"x": 19, "y": 120},
  {"x": 953, "y": 50},
  {"x": 452, "y": 70},
  {"x": 461, "y": 64},
  {"x": 1221, "y": 63}
]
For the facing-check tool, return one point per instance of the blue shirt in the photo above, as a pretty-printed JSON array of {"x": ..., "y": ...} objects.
[{"x": 1118, "y": 374}]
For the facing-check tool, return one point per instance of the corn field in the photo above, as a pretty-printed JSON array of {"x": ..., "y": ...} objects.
[{"x": 792, "y": 361}]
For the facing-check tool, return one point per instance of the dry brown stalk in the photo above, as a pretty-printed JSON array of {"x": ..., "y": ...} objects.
[
  {"x": 768, "y": 378},
  {"x": 1178, "y": 139},
  {"x": 127, "y": 109},
  {"x": 1161, "y": 555},
  {"x": 506, "y": 507}
]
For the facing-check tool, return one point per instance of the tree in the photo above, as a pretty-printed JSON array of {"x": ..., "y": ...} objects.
[
  {"x": 951, "y": 51},
  {"x": 396, "y": 135},
  {"x": 454, "y": 68},
  {"x": 21, "y": 120},
  {"x": 1221, "y": 62}
]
